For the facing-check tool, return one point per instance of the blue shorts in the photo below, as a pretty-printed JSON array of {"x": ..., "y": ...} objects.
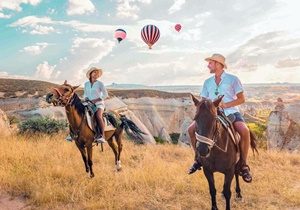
[{"x": 236, "y": 117}]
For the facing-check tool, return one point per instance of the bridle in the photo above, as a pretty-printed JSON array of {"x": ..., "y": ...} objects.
[
  {"x": 61, "y": 98},
  {"x": 213, "y": 141}
]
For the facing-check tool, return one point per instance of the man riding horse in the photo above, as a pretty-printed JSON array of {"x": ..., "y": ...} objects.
[{"x": 223, "y": 83}]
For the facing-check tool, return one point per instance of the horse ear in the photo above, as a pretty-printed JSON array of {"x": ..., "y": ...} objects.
[
  {"x": 75, "y": 87},
  {"x": 218, "y": 100},
  {"x": 65, "y": 82},
  {"x": 195, "y": 100}
]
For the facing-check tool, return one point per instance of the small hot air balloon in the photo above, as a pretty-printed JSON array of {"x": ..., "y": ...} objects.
[
  {"x": 120, "y": 34},
  {"x": 150, "y": 34},
  {"x": 177, "y": 27}
]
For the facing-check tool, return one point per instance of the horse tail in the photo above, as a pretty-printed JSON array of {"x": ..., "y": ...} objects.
[
  {"x": 253, "y": 142},
  {"x": 131, "y": 129},
  {"x": 112, "y": 117}
]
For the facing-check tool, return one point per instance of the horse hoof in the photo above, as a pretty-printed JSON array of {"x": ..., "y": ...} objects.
[
  {"x": 239, "y": 198},
  {"x": 118, "y": 166},
  {"x": 92, "y": 176}
]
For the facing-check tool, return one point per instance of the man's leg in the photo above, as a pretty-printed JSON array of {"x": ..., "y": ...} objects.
[
  {"x": 244, "y": 132},
  {"x": 99, "y": 116},
  {"x": 196, "y": 165}
]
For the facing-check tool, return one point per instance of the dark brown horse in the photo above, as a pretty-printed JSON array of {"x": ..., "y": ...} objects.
[
  {"x": 216, "y": 150},
  {"x": 64, "y": 95}
]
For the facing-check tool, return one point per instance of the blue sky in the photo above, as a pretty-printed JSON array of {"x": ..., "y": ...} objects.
[{"x": 54, "y": 40}]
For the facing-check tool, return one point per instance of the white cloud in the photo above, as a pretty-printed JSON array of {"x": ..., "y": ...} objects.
[
  {"x": 5, "y": 74},
  {"x": 85, "y": 52},
  {"x": 80, "y": 7},
  {"x": 4, "y": 16},
  {"x": 45, "y": 25},
  {"x": 127, "y": 10},
  {"x": 31, "y": 21},
  {"x": 289, "y": 62},
  {"x": 176, "y": 6},
  {"x": 44, "y": 71},
  {"x": 35, "y": 49},
  {"x": 35, "y": 25},
  {"x": 15, "y": 4},
  {"x": 130, "y": 8},
  {"x": 87, "y": 27},
  {"x": 41, "y": 30}
]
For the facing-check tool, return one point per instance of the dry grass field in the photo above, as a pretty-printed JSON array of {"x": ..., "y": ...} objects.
[{"x": 48, "y": 173}]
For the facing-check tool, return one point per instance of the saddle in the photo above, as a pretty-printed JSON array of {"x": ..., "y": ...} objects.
[
  {"x": 228, "y": 125},
  {"x": 90, "y": 111}
]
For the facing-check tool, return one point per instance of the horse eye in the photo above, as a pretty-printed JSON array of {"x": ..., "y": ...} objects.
[{"x": 66, "y": 89}]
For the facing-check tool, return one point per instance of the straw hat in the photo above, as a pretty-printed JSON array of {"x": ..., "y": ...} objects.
[
  {"x": 219, "y": 58},
  {"x": 88, "y": 73}
]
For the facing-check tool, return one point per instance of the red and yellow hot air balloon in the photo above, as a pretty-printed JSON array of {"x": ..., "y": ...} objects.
[
  {"x": 120, "y": 34},
  {"x": 150, "y": 34},
  {"x": 177, "y": 27}
]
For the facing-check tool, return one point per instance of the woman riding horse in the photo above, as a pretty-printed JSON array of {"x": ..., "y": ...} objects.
[
  {"x": 95, "y": 91},
  {"x": 65, "y": 95}
]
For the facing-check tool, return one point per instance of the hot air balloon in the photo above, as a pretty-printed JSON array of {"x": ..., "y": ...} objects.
[
  {"x": 177, "y": 27},
  {"x": 150, "y": 34},
  {"x": 120, "y": 34}
]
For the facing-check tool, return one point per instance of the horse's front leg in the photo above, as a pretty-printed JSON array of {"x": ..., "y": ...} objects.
[
  {"x": 226, "y": 187},
  {"x": 90, "y": 159},
  {"x": 237, "y": 187},
  {"x": 211, "y": 182},
  {"x": 83, "y": 154}
]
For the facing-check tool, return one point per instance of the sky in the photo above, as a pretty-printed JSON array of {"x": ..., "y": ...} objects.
[{"x": 57, "y": 40}]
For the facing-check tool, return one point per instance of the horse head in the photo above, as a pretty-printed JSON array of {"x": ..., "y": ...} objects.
[
  {"x": 61, "y": 95},
  {"x": 206, "y": 124}
]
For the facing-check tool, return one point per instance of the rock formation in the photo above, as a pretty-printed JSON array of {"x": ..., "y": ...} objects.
[{"x": 283, "y": 127}]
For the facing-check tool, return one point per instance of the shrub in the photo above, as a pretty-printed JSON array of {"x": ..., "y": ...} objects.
[
  {"x": 174, "y": 137},
  {"x": 13, "y": 119},
  {"x": 258, "y": 129},
  {"x": 259, "y": 132},
  {"x": 42, "y": 125},
  {"x": 159, "y": 140}
]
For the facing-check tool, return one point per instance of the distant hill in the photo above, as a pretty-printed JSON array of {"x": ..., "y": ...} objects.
[
  {"x": 19, "y": 88},
  {"x": 12, "y": 88},
  {"x": 126, "y": 86}
]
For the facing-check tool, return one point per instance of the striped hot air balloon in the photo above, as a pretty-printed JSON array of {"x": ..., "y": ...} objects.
[
  {"x": 177, "y": 27},
  {"x": 120, "y": 34},
  {"x": 150, "y": 34}
]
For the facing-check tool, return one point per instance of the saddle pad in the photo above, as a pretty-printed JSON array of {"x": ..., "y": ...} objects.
[{"x": 91, "y": 123}]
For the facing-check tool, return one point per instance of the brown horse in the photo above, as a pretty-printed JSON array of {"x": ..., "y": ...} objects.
[
  {"x": 64, "y": 95},
  {"x": 216, "y": 150}
]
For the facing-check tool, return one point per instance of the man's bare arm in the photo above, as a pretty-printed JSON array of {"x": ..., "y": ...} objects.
[{"x": 240, "y": 100}]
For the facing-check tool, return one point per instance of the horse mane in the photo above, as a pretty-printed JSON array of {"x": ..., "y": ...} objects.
[
  {"x": 208, "y": 105},
  {"x": 78, "y": 104}
]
